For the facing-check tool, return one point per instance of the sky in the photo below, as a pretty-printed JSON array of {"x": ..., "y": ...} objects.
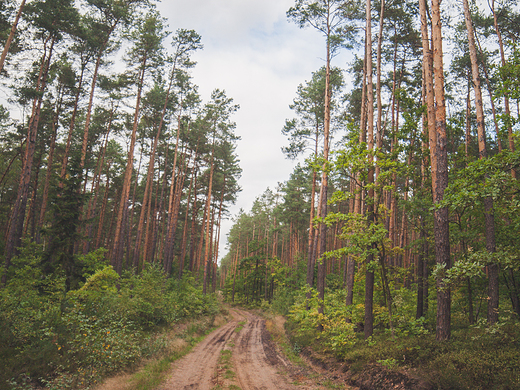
[{"x": 259, "y": 57}]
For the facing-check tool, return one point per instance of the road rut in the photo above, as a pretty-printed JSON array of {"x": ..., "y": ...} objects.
[{"x": 254, "y": 361}]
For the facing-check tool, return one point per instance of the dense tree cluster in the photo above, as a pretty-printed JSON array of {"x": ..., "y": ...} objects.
[
  {"x": 113, "y": 147},
  {"x": 402, "y": 214},
  {"x": 418, "y": 165}
]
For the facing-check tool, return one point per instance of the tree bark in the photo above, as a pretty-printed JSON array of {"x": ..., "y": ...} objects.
[
  {"x": 492, "y": 314},
  {"x": 96, "y": 181},
  {"x": 11, "y": 36},
  {"x": 146, "y": 201},
  {"x": 322, "y": 266},
  {"x": 439, "y": 154},
  {"x": 14, "y": 234},
  {"x": 369, "y": 276},
  {"x": 50, "y": 160},
  {"x": 65, "y": 159},
  {"x": 103, "y": 209},
  {"x": 117, "y": 253},
  {"x": 208, "y": 219},
  {"x": 506, "y": 96}
]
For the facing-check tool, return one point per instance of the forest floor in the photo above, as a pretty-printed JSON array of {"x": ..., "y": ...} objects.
[
  {"x": 242, "y": 355},
  {"x": 248, "y": 351},
  {"x": 238, "y": 355}
]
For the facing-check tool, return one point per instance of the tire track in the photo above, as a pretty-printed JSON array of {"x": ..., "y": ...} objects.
[
  {"x": 196, "y": 369},
  {"x": 255, "y": 368},
  {"x": 254, "y": 359}
]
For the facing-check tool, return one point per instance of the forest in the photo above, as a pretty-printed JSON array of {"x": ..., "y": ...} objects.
[{"x": 395, "y": 240}]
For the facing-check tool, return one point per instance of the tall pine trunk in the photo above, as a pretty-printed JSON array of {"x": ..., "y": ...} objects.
[
  {"x": 16, "y": 221},
  {"x": 492, "y": 314},
  {"x": 207, "y": 228},
  {"x": 369, "y": 275},
  {"x": 117, "y": 249},
  {"x": 439, "y": 157}
]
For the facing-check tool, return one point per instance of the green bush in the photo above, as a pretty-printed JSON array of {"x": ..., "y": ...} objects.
[
  {"x": 69, "y": 340},
  {"x": 336, "y": 333}
]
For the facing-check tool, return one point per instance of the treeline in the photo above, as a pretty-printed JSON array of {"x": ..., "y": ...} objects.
[
  {"x": 114, "y": 179},
  {"x": 404, "y": 216},
  {"x": 105, "y": 142}
]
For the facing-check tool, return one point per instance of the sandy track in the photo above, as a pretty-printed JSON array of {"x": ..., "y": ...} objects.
[{"x": 255, "y": 361}]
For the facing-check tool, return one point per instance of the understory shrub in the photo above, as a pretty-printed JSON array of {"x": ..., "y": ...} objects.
[
  {"x": 477, "y": 357},
  {"x": 70, "y": 340}
]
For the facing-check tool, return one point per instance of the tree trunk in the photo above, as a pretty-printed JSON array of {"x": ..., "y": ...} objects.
[
  {"x": 14, "y": 234},
  {"x": 103, "y": 210},
  {"x": 92, "y": 89},
  {"x": 146, "y": 202},
  {"x": 11, "y": 36},
  {"x": 31, "y": 215},
  {"x": 50, "y": 160},
  {"x": 492, "y": 314},
  {"x": 439, "y": 155},
  {"x": 506, "y": 96},
  {"x": 168, "y": 242},
  {"x": 311, "y": 256},
  {"x": 207, "y": 229},
  {"x": 185, "y": 230},
  {"x": 96, "y": 181},
  {"x": 369, "y": 278},
  {"x": 117, "y": 253},
  {"x": 320, "y": 283},
  {"x": 65, "y": 159}
]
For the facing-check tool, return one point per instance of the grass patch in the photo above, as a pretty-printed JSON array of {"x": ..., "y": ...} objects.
[
  {"x": 225, "y": 373},
  {"x": 225, "y": 358},
  {"x": 240, "y": 326},
  {"x": 229, "y": 374}
]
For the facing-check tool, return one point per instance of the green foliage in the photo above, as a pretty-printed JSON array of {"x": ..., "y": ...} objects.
[
  {"x": 405, "y": 323},
  {"x": 478, "y": 357},
  {"x": 62, "y": 340},
  {"x": 337, "y": 334},
  {"x": 509, "y": 83},
  {"x": 188, "y": 300}
]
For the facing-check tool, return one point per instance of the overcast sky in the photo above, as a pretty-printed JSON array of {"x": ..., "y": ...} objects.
[{"x": 258, "y": 57}]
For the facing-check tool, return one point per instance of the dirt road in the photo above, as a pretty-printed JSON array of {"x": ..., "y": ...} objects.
[{"x": 238, "y": 355}]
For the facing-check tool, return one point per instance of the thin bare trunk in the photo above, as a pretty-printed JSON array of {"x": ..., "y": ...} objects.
[
  {"x": 96, "y": 181},
  {"x": 103, "y": 209},
  {"x": 207, "y": 229},
  {"x": 320, "y": 282},
  {"x": 117, "y": 253},
  {"x": 506, "y": 96},
  {"x": 65, "y": 159},
  {"x": 50, "y": 160},
  {"x": 146, "y": 202},
  {"x": 439, "y": 155},
  {"x": 493, "y": 284},
  {"x": 168, "y": 241},
  {"x": 11, "y": 36},
  {"x": 15, "y": 230},
  {"x": 185, "y": 230},
  {"x": 369, "y": 276}
]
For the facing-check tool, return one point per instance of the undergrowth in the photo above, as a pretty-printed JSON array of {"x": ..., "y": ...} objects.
[
  {"x": 477, "y": 357},
  {"x": 71, "y": 340}
]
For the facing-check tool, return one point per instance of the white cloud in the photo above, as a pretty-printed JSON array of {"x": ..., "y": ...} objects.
[
  {"x": 225, "y": 21},
  {"x": 259, "y": 58}
]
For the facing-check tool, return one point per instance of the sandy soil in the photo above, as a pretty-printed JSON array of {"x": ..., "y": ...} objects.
[{"x": 254, "y": 362}]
